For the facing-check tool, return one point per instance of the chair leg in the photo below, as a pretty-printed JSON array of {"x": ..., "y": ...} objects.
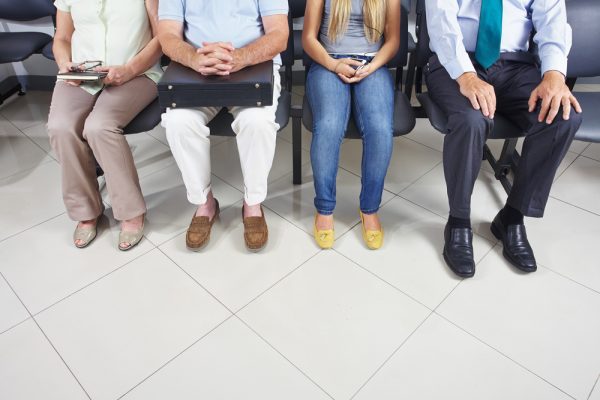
[
  {"x": 297, "y": 144},
  {"x": 507, "y": 162}
]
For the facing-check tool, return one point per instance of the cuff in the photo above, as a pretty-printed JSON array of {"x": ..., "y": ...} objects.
[
  {"x": 459, "y": 66},
  {"x": 553, "y": 60}
]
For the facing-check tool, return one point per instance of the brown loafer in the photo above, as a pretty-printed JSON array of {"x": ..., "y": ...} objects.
[
  {"x": 256, "y": 232},
  {"x": 198, "y": 234}
]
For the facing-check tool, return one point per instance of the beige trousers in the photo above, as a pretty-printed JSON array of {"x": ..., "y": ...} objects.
[{"x": 82, "y": 126}]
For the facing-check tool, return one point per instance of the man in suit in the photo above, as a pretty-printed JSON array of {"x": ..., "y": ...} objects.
[
  {"x": 482, "y": 67},
  {"x": 215, "y": 37}
]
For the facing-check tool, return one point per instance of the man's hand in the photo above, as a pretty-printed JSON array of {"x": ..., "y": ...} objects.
[
  {"x": 480, "y": 93},
  {"x": 215, "y": 58},
  {"x": 117, "y": 74},
  {"x": 553, "y": 92}
]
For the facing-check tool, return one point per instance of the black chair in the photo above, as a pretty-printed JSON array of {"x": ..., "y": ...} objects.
[
  {"x": 18, "y": 46},
  {"x": 584, "y": 61},
  {"x": 509, "y": 157},
  {"x": 404, "y": 117}
]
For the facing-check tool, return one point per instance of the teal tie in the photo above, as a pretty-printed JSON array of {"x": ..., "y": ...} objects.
[{"x": 490, "y": 33}]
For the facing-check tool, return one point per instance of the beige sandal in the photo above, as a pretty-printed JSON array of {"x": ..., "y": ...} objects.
[
  {"x": 133, "y": 238},
  {"x": 86, "y": 235}
]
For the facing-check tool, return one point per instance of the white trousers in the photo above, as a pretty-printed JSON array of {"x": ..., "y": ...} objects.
[{"x": 256, "y": 132}]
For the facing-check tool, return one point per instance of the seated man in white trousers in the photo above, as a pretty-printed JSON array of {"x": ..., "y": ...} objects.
[{"x": 216, "y": 37}]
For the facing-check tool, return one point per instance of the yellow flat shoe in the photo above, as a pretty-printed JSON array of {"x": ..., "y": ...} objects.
[
  {"x": 373, "y": 239},
  {"x": 324, "y": 238}
]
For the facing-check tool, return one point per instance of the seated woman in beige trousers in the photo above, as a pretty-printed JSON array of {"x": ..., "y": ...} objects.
[{"x": 86, "y": 119}]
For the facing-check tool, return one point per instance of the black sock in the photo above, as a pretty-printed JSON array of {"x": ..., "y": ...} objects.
[
  {"x": 454, "y": 222},
  {"x": 511, "y": 216}
]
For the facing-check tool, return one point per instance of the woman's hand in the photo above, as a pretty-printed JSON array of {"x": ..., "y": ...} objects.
[
  {"x": 360, "y": 74},
  {"x": 69, "y": 67},
  {"x": 117, "y": 75},
  {"x": 346, "y": 67}
]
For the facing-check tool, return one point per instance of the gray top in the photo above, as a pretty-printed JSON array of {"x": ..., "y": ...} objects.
[{"x": 354, "y": 40}]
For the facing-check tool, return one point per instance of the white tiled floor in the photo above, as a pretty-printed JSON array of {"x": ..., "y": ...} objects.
[{"x": 292, "y": 322}]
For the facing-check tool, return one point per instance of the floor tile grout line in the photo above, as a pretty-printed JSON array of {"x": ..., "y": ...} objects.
[
  {"x": 15, "y": 325},
  {"x": 411, "y": 184},
  {"x": 197, "y": 282},
  {"x": 27, "y": 136},
  {"x": 487, "y": 253},
  {"x": 594, "y": 387},
  {"x": 46, "y": 336},
  {"x": 557, "y": 177},
  {"x": 61, "y": 357},
  {"x": 31, "y": 227},
  {"x": 423, "y": 144},
  {"x": 382, "y": 280},
  {"x": 284, "y": 356},
  {"x": 91, "y": 283},
  {"x": 588, "y": 157},
  {"x": 169, "y": 361},
  {"x": 29, "y": 169},
  {"x": 574, "y": 205},
  {"x": 502, "y": 354},
  {"x": 552, "y": 270},
  {"x": 391, "y": 356},
  {"x": 277, "y": 282},
  {"x": 445, "y": 218}
]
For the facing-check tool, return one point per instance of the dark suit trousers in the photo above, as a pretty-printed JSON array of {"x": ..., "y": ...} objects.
[{"x": 514, "y": 77}]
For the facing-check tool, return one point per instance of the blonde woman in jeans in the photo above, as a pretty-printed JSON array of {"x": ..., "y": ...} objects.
[
  {"x": 350, "y": 43},
  {"x": 86, "y": 120}
]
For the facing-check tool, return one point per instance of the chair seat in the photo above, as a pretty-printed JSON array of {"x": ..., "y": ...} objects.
[
  {"x": 18, "y": 46},
  {"x": 221, "y": 124},
  {"x": 47, "y": 51},
  {"x": 404, "y": 117},
  {"x": 146, "y": 120},
  {"x": 503, "y": 128},
  {"x": 590, "y": 127}
]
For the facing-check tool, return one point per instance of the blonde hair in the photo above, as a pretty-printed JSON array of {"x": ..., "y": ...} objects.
[{"x": 373, "y": 16}]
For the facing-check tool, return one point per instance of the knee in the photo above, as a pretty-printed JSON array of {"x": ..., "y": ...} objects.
[
  {"x": 329, "y": 126},
  {"x": 61, "y": 129},
  {"x": 259, "y": 123},
  {"x": 96, "y": 130},
  {"x": 471, "y": 123}
]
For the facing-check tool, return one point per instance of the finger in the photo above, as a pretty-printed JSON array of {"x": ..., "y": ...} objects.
[
  {"x": 226, "y": 45},
  {"x": 544, "y": 109},
  {"x": 566, "y": 105},
  {"x": 532, "y": 100},
  {"x": 492, "y": 102},
  {"x": 344, "y": 78},
  {"x": 102, "y": 69},
  {"x": 208, "y": 71},
  {"x": 350, "y": 61},
  {"x": 473, "y": 99},
  {"x": 554, "y": 107},
  {"x": 223, "y": 67},
  {"x": 484, "y": 105},
  {"x": 573, "y": 100},
  {"x": 222, "y": 56}
]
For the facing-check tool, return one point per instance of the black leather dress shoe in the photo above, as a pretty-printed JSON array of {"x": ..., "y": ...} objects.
[
  {"x": 458, "y": 251},
  {"x": 516, "y": 246}
]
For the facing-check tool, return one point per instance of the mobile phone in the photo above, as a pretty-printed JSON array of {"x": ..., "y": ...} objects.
[{"x": 362, "y": 61}]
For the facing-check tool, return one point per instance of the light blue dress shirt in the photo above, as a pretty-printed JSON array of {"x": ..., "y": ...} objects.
[
  {"x": 453, "y": 26},
  {"x": 235, "y": 21}
]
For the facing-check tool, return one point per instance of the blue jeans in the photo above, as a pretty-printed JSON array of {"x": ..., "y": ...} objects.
[{"x": 372, "y": 102}]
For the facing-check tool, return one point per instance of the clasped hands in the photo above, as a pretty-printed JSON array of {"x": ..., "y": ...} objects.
[
  {"x": 349, "y": 70},
  {"x": 218, "y": 58},
  {"x": 552, "y": 91}
]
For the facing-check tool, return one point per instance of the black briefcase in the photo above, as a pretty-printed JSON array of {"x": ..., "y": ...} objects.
[{"x": 182, "y": 87}]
